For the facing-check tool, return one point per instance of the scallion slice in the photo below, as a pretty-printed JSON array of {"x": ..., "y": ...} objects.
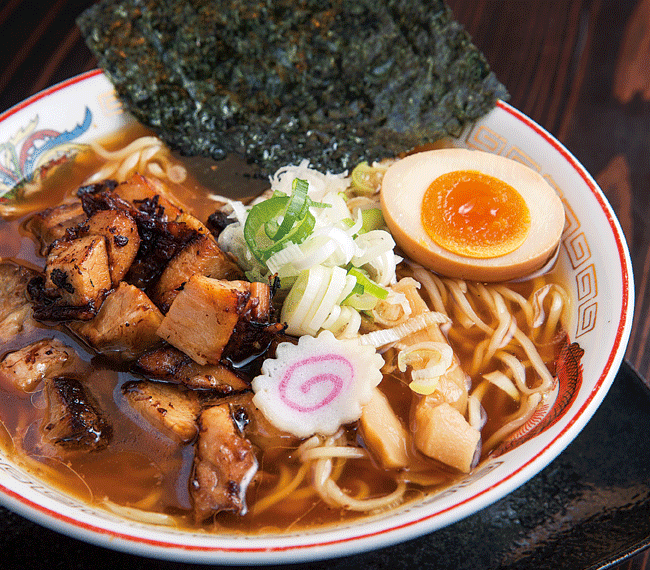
[
  {"x": 294, "y": 210},
  {"x": 263, "y": 215},
  {"x": 369, "y": 286}
]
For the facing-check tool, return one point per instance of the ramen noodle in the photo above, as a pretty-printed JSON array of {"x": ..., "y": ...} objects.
[{"x": 451, "y": 368}]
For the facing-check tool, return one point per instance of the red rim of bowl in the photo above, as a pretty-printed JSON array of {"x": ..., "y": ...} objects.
[{"x": 106, "y": 537}]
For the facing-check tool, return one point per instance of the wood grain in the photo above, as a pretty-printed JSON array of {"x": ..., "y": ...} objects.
[
  {"x": 632, "y": 76},
  {"x": 615, "y": 182},
  {"x": 580, "y": 68}
]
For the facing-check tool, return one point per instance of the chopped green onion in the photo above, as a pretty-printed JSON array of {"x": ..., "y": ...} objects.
[
  {"x": 373, "y": 219},
  {"x": 295, "y": 210},
  {"x": 367, "y": 179},
  {"x": 261, "y": 246},
  {"x": 369, "y": 286},
  {"x": 319, "y": 204},
  {"x": 301, "y": 297},
  {"x": 300, "y": 185},
  {"x": 281, "y": 219},
  {"x": 357, "y": 289},
  {"x": 361, "y": 302}
]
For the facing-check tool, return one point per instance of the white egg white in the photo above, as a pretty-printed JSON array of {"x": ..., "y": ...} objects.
[{"x": 402, "y": 192}]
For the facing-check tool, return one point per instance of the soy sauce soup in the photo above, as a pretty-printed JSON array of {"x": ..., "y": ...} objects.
[{"x": 144, "y": 474}]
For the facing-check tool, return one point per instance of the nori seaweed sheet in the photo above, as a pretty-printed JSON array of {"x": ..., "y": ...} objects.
[{"x": 278, "y": 81}]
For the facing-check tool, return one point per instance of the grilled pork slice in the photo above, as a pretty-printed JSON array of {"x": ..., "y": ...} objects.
[
  {"x": 51, "y": 224},
  {"x": 27, "y": 367},
  {"x": 259, "y": 304},
  {"x": 383, "y": 432},
  {"x": 256, "y": 334},
  {"x": 140, "y": 189},
  {"x": 259, "y": 430},
  {"x": 161, "y": 237},
  {"x": 201, "y": 256},
  {"x": 77, "y": 272},
  {"x": 122, "y": 239},
  {"x": 224, "y": 465},
  {"x": 15, "y": 308},
  {"x": 203, "y": 317},
  {"x": 125, "y": 326},
  {"x": 443, "y": 433},
  {"x": 169, "y": 408},
  {"x": 170, "y": 364},
  {"x": 73, "y": 420}
]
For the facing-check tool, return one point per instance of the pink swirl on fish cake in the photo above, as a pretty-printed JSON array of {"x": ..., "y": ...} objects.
[{"x": 331, "y": 369}]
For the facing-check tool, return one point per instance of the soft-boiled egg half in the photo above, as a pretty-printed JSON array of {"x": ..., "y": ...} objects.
[{"x": 472, "y": 215}]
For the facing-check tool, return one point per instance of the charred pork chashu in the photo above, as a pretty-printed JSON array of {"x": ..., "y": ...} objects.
[
  {"x": 142, "y": 282},
  {"x": 74, "y": 420},
  {"x": 15, "y": 308},
  {"x": 28, "y": 366},
  {"x": 224, "y": 465}
]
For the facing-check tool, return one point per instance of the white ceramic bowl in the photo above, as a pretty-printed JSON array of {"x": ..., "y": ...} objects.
[{"x": 593, "y": 255}]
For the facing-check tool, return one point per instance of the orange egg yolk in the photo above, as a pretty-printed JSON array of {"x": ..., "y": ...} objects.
[{"x": 475, "y": 215}]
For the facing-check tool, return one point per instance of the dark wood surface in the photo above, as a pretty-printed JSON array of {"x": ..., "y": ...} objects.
[{"x": 580, "y": 68}]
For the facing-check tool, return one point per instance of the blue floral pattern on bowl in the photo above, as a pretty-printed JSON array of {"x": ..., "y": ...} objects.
[{"x": 30, "y": 151}]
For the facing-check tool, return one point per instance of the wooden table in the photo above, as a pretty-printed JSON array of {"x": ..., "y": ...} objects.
[{"x": 580, "y": 68}]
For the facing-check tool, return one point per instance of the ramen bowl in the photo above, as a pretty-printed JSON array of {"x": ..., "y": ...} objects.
[{"x": 596, "y": 270}]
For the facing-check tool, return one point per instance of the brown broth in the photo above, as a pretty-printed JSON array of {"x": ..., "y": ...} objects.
[{"x": 143, "y": 468}]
